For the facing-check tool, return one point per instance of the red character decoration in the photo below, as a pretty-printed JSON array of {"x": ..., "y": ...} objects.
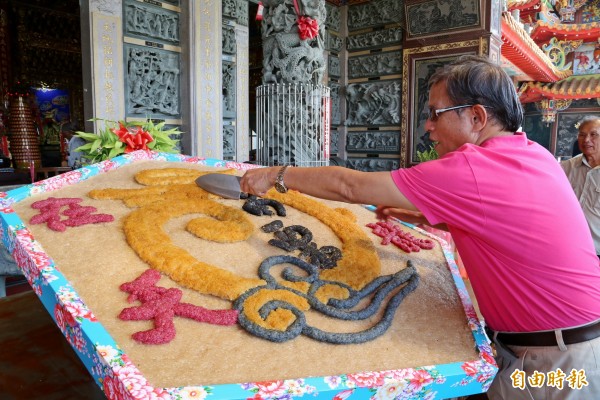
[
  {"x": 50, "y": 213},
  {"x": 161, "y": 305}
]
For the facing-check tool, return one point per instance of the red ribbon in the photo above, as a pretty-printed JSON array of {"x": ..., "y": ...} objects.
[
  {"x": 136, "y": 141},
  {"x": 308, "y": 28}
]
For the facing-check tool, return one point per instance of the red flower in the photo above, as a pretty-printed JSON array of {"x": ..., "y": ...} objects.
[{"x": 470, "y": 368}]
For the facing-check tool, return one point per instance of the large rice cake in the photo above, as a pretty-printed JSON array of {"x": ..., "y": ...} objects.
[{"x": 428, "y": 328}]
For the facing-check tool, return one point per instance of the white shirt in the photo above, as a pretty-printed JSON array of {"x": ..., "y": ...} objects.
[{"x": 585, "y": 181}]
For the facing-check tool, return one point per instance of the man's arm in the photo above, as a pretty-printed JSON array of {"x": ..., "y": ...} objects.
[{"x": 331, "y": 183}]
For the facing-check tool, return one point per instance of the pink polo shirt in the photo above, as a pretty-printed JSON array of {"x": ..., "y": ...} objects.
[{"x": 519, "y": 230}]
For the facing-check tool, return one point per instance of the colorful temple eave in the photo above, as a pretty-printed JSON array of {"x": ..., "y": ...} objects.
[
  {"x": 575, "y": 87},
  {"x": 544, "y": 31},
  {"x": 519, "y": 49},
  {"x": 527, "y": 7}
]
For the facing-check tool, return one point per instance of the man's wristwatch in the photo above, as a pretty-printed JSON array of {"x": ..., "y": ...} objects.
[{"x": 279, "y": 185}]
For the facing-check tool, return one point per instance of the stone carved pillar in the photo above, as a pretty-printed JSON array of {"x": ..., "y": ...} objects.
[
  {"x": 287, "y": 58},
  {"x": 293, "y": 71}
]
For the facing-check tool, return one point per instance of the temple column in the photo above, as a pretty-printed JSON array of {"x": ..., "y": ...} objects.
[{"x": 291, "y": 121}]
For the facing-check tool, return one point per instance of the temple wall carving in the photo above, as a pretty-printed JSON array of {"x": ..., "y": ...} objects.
[
  {"x": 148, "y": 21},
  {"x": 374, "y": 14},
  {"x": 152, "y": 87},
  {"x": 378, "y": 64},
  {"x": 375, "y": 39}
]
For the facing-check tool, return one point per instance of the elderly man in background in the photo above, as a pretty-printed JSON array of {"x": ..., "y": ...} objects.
[{"x": 583, "y": 172}]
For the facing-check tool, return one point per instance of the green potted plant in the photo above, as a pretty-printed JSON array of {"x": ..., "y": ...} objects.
[
  {"x": 121, "y": 137},
  {"x": 428, "y": 154}
]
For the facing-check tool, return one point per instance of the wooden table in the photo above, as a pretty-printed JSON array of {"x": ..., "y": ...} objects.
[{"x": 36, "y": 362}]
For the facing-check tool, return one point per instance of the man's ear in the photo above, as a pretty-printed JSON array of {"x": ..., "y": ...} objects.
[{"x": 480, "y": 117}]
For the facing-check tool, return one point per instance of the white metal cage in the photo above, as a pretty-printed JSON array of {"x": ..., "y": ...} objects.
[{"x": 293, "y": 124}]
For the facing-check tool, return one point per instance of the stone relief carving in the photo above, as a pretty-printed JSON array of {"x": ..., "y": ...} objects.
[
  {"x": 373, "y": 164},
  {"x": 373, "y": 103},
  {"x": 333, "y": 43},
  {"x": 151, "y": 22},
  {"x": 375, "y": 39},
  {"x": 373, "y": 142},
  {"x": 377, "y": 64},
  {"x": 229, "y": 45},
  {"x": 333, "y": 143},
  {"x": 286, "y": 58},
  {"x": 336, "y": 114},
  {"x": 152, "y": 82},
  {"x": 334, "y": 17},
  {"x": 375, "y": 13},
  {"x": 242, "y": 12},
  {"x": 437, "y": 16},
  {"x": 107, "y": 7},
  {"x": 334, "y": 66},
  {"x": 229, "y": 9},
  {"x": 228, "y": 141},
  {"x": 229, "y": 90}
]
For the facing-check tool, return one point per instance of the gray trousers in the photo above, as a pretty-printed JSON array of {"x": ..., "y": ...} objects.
[{"x": 521, "y": 370}]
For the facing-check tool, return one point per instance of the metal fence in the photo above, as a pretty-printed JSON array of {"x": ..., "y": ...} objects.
[{"x": 293, "y": 124}]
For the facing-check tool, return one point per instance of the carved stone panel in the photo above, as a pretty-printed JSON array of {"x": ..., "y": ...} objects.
[
  {"x": 374, "y": 103},
  {"x": 375, "y": 39},
  {"x": 334, "y": 17},
  {"x": 242, "y": 12},
  {"x": 336, "y": 114},
  {"x": 229, "y": 45},
  {"x": 375, "y": 13},
  {"x": 373, "y": 164},
  {"x": 373, "y": 142},
  {"x": 229, "y": 9},
  {"x": 229, "y": 90},
  {"x": 151, "y": 22},
  {"x": 333, "y": 147},
  {"x": 377, "y": 64},
  {"x": 333, "y": 43},
  {"x": 436, "y": 16},
  {"x": 152, "y": 82},
  {"x": 228, "y": 141},
  {"x": 334, "y": 66}
]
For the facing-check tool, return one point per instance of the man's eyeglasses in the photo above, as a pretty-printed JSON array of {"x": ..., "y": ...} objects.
[{"x": 434, "y": 114}]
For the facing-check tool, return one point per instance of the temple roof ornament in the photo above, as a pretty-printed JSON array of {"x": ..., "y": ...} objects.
[
  {"x": 567, "y": 9},
  {"x": 527, "y": 7},
  {"x": 573, "y": 87},
  {"x": 525, "y": 54},
  {"x": 544, "y": 31},
  {"x": 551, "y": 107}
]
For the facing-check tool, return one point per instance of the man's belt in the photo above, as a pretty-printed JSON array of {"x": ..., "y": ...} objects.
[{"x": 548, "y": 338}]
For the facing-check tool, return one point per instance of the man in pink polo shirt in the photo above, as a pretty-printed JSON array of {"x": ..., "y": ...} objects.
[{"x": 516, "y": 222}]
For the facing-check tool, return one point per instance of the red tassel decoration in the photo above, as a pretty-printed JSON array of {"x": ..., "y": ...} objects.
[{"x": 259, "y": 12}]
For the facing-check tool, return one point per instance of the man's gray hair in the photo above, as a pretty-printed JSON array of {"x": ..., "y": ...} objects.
[
  {"x": 477, "y": 80},
  {"x": 588, "y": 119}
]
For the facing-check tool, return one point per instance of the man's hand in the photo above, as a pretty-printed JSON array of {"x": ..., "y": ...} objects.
[
  {"x": 412, "y": 217},
  {"x": 258, "y": 181}
]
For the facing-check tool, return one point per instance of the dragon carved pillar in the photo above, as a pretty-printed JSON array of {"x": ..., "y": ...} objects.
[{"x": 291, "y": 99}]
